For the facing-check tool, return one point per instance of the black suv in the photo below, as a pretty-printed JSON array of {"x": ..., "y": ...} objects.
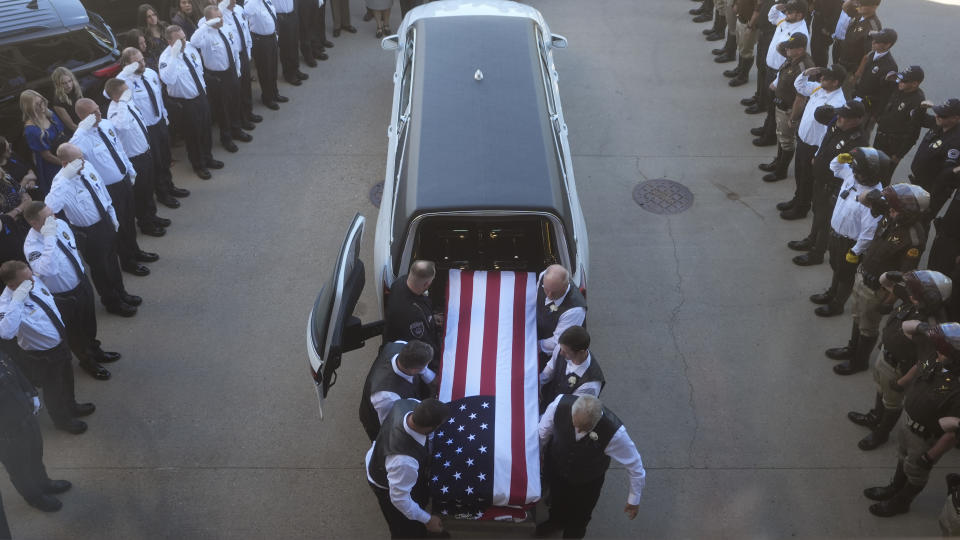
[{"x": 36, "y": 37}]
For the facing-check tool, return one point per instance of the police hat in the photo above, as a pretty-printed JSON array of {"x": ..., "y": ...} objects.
[
  {"x": 887, "y": 35},
  {"x": 796, "y": 5},
  {"x": 852, "y": 109},
  {"x": 836, "y": 72},
  {"x": 797, "y": 41},
  {"x": 911, "y": 74},
  {"x": 950, "y": 107}
]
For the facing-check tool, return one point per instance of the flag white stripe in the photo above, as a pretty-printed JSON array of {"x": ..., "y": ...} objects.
[
  {"x": 478, "y": 310},
  {"x": 531, "y": 392},
  {"x": 450, "y": 340},
  {"x": 504, "y": 419}
]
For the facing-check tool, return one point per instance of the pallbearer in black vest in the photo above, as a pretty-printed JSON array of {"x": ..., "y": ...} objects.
[
  {"x": 397, "y": 462},
  {"x": 559, "y": 306},
  {"x": 399, "y": 372},
  {"x": 572, "y": 369},
  {"x": 580, "y": 436}
]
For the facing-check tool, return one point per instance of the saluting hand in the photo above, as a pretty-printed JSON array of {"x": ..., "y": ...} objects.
[
  {"x": 49, "y": 227},
  {"x": 631, "y": 510}
]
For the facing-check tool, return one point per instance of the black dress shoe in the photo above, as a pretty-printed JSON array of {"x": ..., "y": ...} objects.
[
  {"x": 169, "y": 201},
  {"x": 156, "y": 231},
  {"x": 800, "y": 245},
  {"x": 310, "y": 62},
  {"x": 822, "y": 299},
  {"x": 272, "y": 105},
  {"x": 122, "y": 309},
  {"x": 840, "y": 353},
  {"x": 255, "y": 118},
  {"x": 55, "y": 486},
  {"x": 321, "y": 56},
  {"x": 282, "y": 99},
  {"x": 248, "y": 125},
  {"x": 179, "y": 192},
  {"x": 756, "y": 108},
  {"x": 146, "y": 256},
  {"x": 96, "y": 371},
  {"x": 336, "y": 33},
  {"x": 774, "y": 176},
  {"x": 135, "y": 269},
  {"x": 130, "y": 299},
  {"x": 793, "y": 213},
  {"x": 48, "y": 503},
  {"x": 757, "y": 131},
  {"x": 829, "y": 310},
  {"x": 808, "y": 259},
  {"x": 215, "y": 164},
  {"x": 161, "y": 221},
  {"x": 204, "y": 174},
  {"x": 109, "y": 356},
  {"x": 765, "y": 141},
  {"x": 229, "y": 146},
  {"x": 301, "y": 75},
  {"x": 327, "y": 44},
  {"x": 242, "y": 136},
  {"x": 349, "y": 28},
  {"x": 293, "y": 81},
  {"x": 747, "y": 102},
  {"x": 83, "y": 409},
  {"x": 75, "y": 427},
  {"x": 786, "y": 205},
  {"x": 703, "y": 17}
]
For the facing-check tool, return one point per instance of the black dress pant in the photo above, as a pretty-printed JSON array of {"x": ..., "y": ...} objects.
[
  {"x": 127, "y": 248},
  {"x": 265, "y": 58},
  {"x": 98, "y": 245},
  {"x": 52, "y": 370},
  {"x": 400, "y": 526},
  {"x": 288, "y": 33},
  {"x": 946, "y": 243},
  {"x": 803, "y": 174},
  {"x": 21, "y": 451},
  {"x": 223, "y": 87},
  {"x": 321, "y": 26},
  {"x": 308, "y": 13},
  {"x": 160, "y": 150},
  {"x": 890, "y": 145},
  {"x": 571, "y": 505},
  {"x": 844, "y": 273},
  {"x": 195, "y": 129},
  {"x": 820, "y": 48},
  {"x": 246, "y": 87},
  {"x": 145, "y": 208},
  {"x": 80, "y": 319},
  {"x": 770, "y": 120}
]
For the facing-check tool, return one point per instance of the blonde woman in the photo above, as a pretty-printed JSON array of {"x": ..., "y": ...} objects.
[
  {"x": 66, "y": 92},
  {"x": 44, "y": 132}
]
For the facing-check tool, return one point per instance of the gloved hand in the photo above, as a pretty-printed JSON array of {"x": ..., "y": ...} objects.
[
  {"x": 49, "y": 226},
  {"x": 20, "y": 294},
  {"x": 845, "y": 158},
  {"x": 129, "y": 69},
  {"x": 35, "y": 400},
  {"x": 214, "y": 22},
  {"x": 852, "y": 257},
  {"x": 73, "y": 167},
  {"x": 177, "y": 47},
  {"x": 87, "y": 122},
  {"x": 223, "y": 6}
]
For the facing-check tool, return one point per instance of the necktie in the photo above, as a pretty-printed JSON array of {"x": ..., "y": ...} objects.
[
  {"x": 113, "y": 152},
  {"x": 53, "y": 316},
  {"x": 243, "y": 49},
  {"x": 71, "y": 258},
  {"x": 153, "y": 97},
  {"x": 96, "y": 200},
  {"x": 193, "y": 73},
  {"x": 266, "y": 4},
  {"x": 136, "y": 117},
  {"x": 232, "y": 67}
]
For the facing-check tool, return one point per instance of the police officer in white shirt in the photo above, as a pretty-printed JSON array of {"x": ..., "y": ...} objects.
[
  {"x": 234, "y": 17},
  {"x": 29, "y": 313},
  {"x": 219, "y": 46},
  {"x": 79, "y": 192},
  {"x": 148, "y": 97},
  {"x": 97, "y": 138},
  {"x": 788, "y": 19},
  {"x": 51, "y": 252},
  {"x": 181, "y": 71},
  {"x": 288, "y": 39},
  {"x": 133, "y": 135},
  {"x": 572, "y": 369},
  {"x": 852, "y": 226},
  {"x": 262, "y": 16}
]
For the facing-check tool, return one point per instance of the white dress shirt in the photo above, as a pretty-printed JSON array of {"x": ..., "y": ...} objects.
[
  {"x": 131, "y": 128},
  {"x": 50, "y": 263},
  {"x": 810, "y": 131},
  {"x": 571, "y": 317},
  {"x": 141, "y": 97},
  {"x": 96, "y": 152},
  {"x": 283, "y": 6},
  {"x": 851, "y": 218},
  {"x": 28, "y": 321},
  {"x": 402, "y": 474},
  {"x": 243, "y": 31},
  {"x": 591, "y": 388},
  {"x": 782, "y": 33},
  {"x": 840, "y": 32},
  {"x": 176, "y": 75},
  {"x": 383, "y": 400},
  {"x": 620, "y": 448},
  {"x": 261, "y": 16},
  {"x": 68, "y": 193},
  {"x": 210, "y": 42}
]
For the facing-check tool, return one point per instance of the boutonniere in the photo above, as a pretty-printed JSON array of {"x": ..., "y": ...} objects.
[
  {"x": 572, "y": 380},
  {"x": 553, "y": 307},
  {"x": 594, "y": 436}
]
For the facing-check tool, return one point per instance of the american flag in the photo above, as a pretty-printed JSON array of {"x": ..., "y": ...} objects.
[{"x": 487, "y": 454}]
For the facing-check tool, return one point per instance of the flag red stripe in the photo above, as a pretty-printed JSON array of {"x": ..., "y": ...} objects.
[
  {"x": 488, "y": 355},
  {"x": 518, "y": 462},
  {"x": 463, "y": 335}
]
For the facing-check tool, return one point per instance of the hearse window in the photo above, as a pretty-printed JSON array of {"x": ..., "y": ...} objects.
[
  {"x": 406, "y": 83},
  {"x": 545, "y": 72}
]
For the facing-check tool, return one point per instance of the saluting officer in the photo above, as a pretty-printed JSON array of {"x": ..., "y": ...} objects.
[
  {"x": 899, "y": 122},
  {"x": 933, "y": 394},
  {"x": 409, "y": 313},
  {"x": 234, "y": 17},
  {"x": 21, "y": 444},
  {"x": 938, "y": 154},
  {"x": 857, "y": 42},
  {"x": 559, "y": 306},
  {"x": 578, "y": 436},
  {"x": 28, "y": 311},
  {"x": 922, "y": 294},
  {"x": 872, "y": 83},
  {"x": 399, "y": 372},
  {"x": 572, "y": 369},
  {"x": 262, "y": 16},
  {"x": 785, "y": 102},
  {"x": 897, "y": 245},
  {"x": 398, "y": 461}
]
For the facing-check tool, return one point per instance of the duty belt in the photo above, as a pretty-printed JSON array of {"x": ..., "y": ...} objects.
[
  {"x": 838, "y": 235},
  {"x": 917, "y": 428},
  {"x": 870, "y": 280}
]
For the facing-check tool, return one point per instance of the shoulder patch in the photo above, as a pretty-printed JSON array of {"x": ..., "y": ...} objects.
[
  {"x": 163, "y": 65},
  {"x": 913, "y": 253},
  {"x": 34, "y": 255},
  {"x": 953, "y": 153}
]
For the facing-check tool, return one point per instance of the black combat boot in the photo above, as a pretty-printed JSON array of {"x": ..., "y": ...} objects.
[
  {"x": 702, "y": 9},
  {"x": 899, "y": 503},
  {"x": 719, "y": 28},
  {"x": 846, "y": 353},
  {"x": 744, "y": 76},
  {"x": 730, "y": 73},
  {"x": 782, "y": 167},
  {"x": 883, "y": 493},
  {"x": 880, "y": 433},
  {"x": 729, "y": 51},
  {"x": 772, "y": 166},
  {"x": 705, "y": 13},
  {"x": 870, "y": 419},
  {"x": 861, "y": 359}
]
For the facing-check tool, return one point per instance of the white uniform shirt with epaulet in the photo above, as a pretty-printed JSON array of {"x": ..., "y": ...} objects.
[
  {"x": 258, "y": 16},
  {"x": 810, "y": 131},
  {"x": 131, "y": 128},
  {"x": 782, "y": 33},
  {"x": 244, "y": 31},
  {"x": 176, "y": 75},
  {"x": 283, "y": 6},
  {"x": 851, "y": 218},
  {"x": 27, "y": 321},
  {"x": 68, "y": 193},
  {"x": 137, "y": 84},
  {"x": 49, "y": 262},
  {"x": 209, "y": 42},
  {"x": 95, "y": 151}
]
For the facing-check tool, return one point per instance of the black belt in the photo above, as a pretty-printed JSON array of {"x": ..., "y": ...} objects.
[
  {"x": 88, "y": 227},
  {"x": 284, "y": 15},
  {"x": 69, "y": 294},
  {"x": 185, "y": 100},
  {"x": 263, "y": 36},
  {"x": 871, "y": 280},
  {"x": 126, "y": 178},
  {"x": 917, "y": 428},
  {"x": 835, "y": 234},
  {"x": 138, "y": 156}
]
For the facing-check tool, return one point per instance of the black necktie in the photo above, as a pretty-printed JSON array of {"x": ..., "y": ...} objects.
[
  {"x": 53, "y": 316},
  {"x": 193, "y": 73},
  {"x": 243, "y": 48},
  {"x": 139, "y": 123},
  {"x": 73, "y": 260},
  {"x": 276, "y": 26},
  {"x": 153, "y": 97},
  {"x": 113, "y": 152},
  {"x": 96, "y": 200},
  {"x": 232, "y": 67}
]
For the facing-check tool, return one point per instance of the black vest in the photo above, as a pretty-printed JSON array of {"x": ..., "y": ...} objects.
[
  {"x": 394, "y": 439},
  {"x": 382, "y": 378},
  {"x": 546, "y": 319},
  {"x": 579, "y": 462},
  {"x": 560, "y": 383}
]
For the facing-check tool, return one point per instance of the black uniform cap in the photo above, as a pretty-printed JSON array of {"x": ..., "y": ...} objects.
[
  {"x": 796, "y": 5},
  {"x": 836, "y": 72},
  {"x": 886, "y": 35},
  {"x": 911, "y": 74},
  {"x": 950, "y": 107},
  {"x": 852, "y": 109},
  {"x": 797, "y": 41}
]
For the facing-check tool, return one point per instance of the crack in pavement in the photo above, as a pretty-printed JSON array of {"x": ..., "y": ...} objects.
[{"x": 674, "y": 316}]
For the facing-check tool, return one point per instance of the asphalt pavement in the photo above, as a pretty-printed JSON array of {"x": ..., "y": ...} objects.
[{"x": 209, "y": 427}]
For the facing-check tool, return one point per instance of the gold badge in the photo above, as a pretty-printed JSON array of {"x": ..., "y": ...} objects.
[
  {"x": 913, "y": 253},
  {"x": 65, "y": 235},
  {"x": 902, "y": 105},
  {"x": 110, "y": 131},
  {"x": 936, "y": 144}
]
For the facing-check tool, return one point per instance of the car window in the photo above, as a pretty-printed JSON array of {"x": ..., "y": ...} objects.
[
  {"x": 406, "y": 84},
  {"x": 28, "y": 62}
]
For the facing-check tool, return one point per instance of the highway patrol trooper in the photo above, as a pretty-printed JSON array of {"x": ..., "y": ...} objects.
[
  {"x": 51, "y": 252},
  {"x": 938, "y": 155},
  {"x": 897, "y": 245},
  {"x": 784, "y": 96},
  {"x": 78, "y": 191},
  {"x": 399, "y": 372},
  {"x": 933, "y": 394},
  {"x": 235, "y": 18},
  {"x": 572, "y": 369},
  {"x": 857, "y": 42},
  {"x": 922, "y": 294},
  {"x": 262, "y": 16},
  {"x": 560, "y": 305},
  {"x": 21, "y": 444},
  {"x": 409, "y": 312},
  {"x": 900, "y": 121},
  {"x": 28, "y": 311},
  {"x": 874, "y": 87}
]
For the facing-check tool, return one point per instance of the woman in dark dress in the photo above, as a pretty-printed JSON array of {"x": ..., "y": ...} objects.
[
  {"x": 13, "y": 201},
  {"x": 66, "y": 92},
  {"x": 44, "y": 133},
  {"x": 152, "y": 29},
  {"x": 186, "y": 17}
]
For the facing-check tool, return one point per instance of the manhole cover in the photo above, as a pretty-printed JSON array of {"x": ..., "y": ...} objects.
[
  {"x": 662, "y": 196},
  {"x": 376, "y": 194}
]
